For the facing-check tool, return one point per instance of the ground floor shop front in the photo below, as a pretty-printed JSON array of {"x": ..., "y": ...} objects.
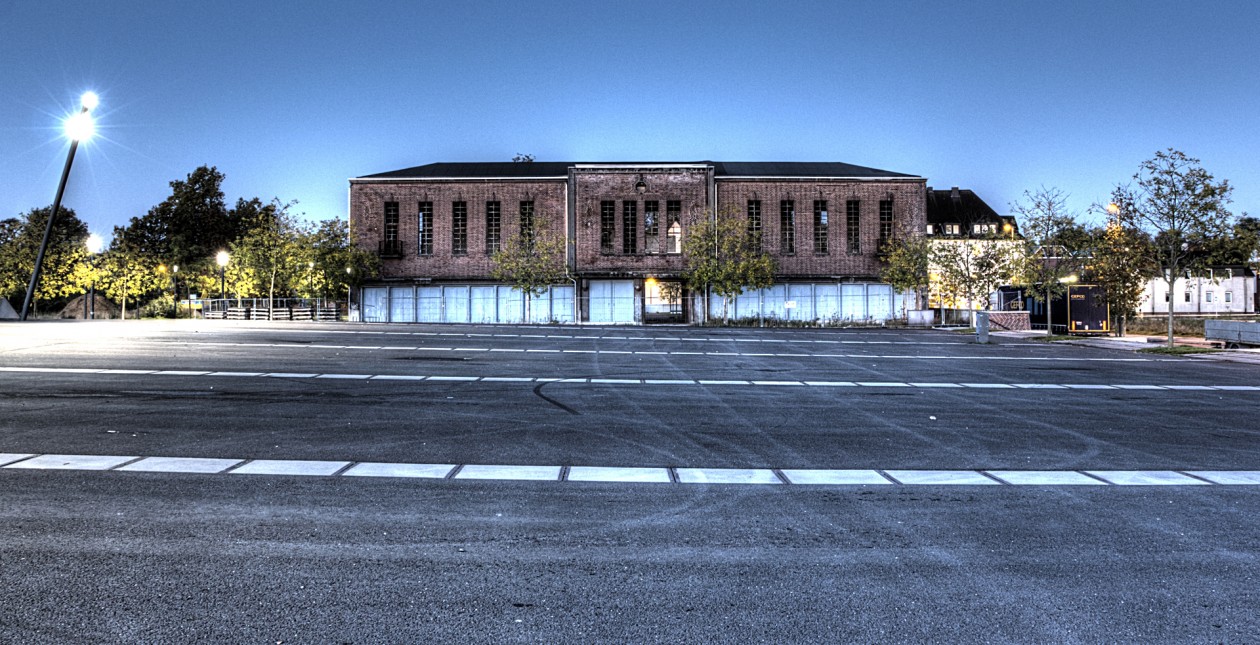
[{"x": 627, "y": 301}]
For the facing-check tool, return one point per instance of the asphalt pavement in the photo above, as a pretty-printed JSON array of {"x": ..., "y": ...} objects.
[{"x": 123, "y": 556}]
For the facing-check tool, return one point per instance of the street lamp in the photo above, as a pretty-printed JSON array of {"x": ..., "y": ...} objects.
[
  {"x": 175, "y": 290},
  {"x": 78, "y": 127},
  {"x": 222, "y": 259},
  {"x": 94, "y": 246},
  {"x": 349, "y": 272}
]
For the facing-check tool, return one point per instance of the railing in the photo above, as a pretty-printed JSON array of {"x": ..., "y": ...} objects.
[
  {"x": 302, "y": 309},
  {"x": 391, "y": 248}
]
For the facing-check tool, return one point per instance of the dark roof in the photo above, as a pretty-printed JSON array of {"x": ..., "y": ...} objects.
[
  {"x": 961, "y": 207},
  {"x": 509, "y": 169}
]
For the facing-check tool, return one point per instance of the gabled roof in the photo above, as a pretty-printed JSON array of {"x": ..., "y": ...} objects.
[
  {"x": 724, "y": 169},
  {"x": 964, "y": 207}
]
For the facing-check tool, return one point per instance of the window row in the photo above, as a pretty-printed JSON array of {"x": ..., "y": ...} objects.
[
  {"x": 821, "y": 228},
  {"x": 459, "y": 225},
  {"x": 630, "y": 227}
]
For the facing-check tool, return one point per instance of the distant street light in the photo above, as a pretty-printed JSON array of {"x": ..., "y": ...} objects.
[
  {"x": 94, "y": 246},
  {"x": 222, "y": 260},
  {"x": 78, "y": 127},
  {"x": 175, "y": 290}
]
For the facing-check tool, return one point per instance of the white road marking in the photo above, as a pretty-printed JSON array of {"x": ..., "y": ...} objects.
[
  {"x": 1146, "y": 478},
  {"x": 727, "y": 476},
  {"x": 289, "y": 467},
  {"x": 835, "y": 477},
  {"x": 10, "y": 457},
  {"x": 1045, "y": 478},
  {"x": 941, "y": 477},
  {"x": 1229, "y": 477},
  {"x": 72, "y": 462},
  {"x": 523, "y": 473},
  {"x": 181, "y": 465},
  {"x": 373, "y": 469},
  {"x": 609, "y": 474}
]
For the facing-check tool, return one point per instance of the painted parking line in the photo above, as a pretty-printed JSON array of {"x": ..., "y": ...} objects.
[
  {"x": 180, "y": 465},
  {"x": 453, "y": 378},
  {"x": 727, "y": 476},
  {"x": 72, "y": 462},
  {"x": 290, "y": 467},
  {"x": 1146, "y": 478},
  {"x": 632, "y": 474},
  {"x": 373, "y": 469},
  {"x": 941, "y": 478}
]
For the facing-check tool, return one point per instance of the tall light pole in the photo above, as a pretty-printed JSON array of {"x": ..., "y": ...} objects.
[
  {"x": 94, "y": 246},
  {"x": 222, "y": 259},
  {"x": 349, "y": 275},
  {"x": 175, "y": 290},
  {"x": 78, "y": 127}
]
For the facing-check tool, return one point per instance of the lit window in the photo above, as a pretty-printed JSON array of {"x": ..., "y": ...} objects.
[
  {"x": 929, "y": 229},
  {"x": 674, "y": 235},
  {"x": 951, "y": 229}
]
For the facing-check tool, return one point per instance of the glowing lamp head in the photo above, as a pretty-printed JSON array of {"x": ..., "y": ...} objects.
[
  {"x": 80, "y": 127},
  {"x": 95, "y": 244},
  {"x": 222, "y": 258},
  {"x": 1113, "y": 208},
  {"x": 89, "y": 101}
]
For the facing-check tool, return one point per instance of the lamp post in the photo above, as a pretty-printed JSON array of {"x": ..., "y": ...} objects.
[
  {"x": 349, "y": 273},
  {"x": 222, "y": 259},
  {"x": 94, "y": 246},
  {"x": 78, "y": 127},
  {"x": 175, "y": 290}
]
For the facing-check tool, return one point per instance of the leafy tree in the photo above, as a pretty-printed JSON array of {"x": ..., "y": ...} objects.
[
  {"x": 523, "y": 158},
  {"x": 1053, "y": 244},
  {"x": 1238, "y": 247},
  {"x": 191, "y": 225},
  {"x": 268, "y": 254},
  {"x": 907, "y": 258},
  {"x": 334, "y": 263},
  {"x": 1122, "y": 262},
  {"x": 968, "y": 271},
  {"x": 61, "y": 274},
  {"x": 1182, "y": 206},
  {"x": 531, "y": 261},
  {"x": 125, "y": 272},
  {"x": 721, "y": 254}
]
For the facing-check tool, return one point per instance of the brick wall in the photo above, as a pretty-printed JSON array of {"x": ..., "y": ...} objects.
[
  {"x": 908, "y": 207},
  {"x": 593, "y": 186},
  {"x": 367, "y": 214}
]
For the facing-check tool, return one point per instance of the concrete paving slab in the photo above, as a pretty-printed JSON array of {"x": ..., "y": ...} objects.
[
  {"x": 1229, "y": 477},
  {"x": 1044, "y": 478},
  {"x": 835, "y": 477},
  {"x": 519, "y": 473},
  {"x": 727, "y": 476},
  {"x": 10, "y": 457},
  {"x": 181, "y": 465},
  {"x": 607, "y": 474},
  {"x": 377, "y": 469},
  {"x": 290, "y": 467},
  {"x": 941, "y": 478},
  {"x": 1146, "y": 478},
  {"x": 72, "y": 462}
]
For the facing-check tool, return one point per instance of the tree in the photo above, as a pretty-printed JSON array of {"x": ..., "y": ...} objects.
[
  {"x": 907, "y": 258},
  {"x": 523, "y": 158},
  {"x": 970, "y": 270},
  {"x": 191, "y": 225},
  {"x": 328, "y": 252},
  {"x": 268, "y": 254},
  {"x": 531, "y": 261},
  {"x": 1122, "y": 262},
  {"x": 1182, "y": 206},
  {"x": 126, "y": 272},
  {"x": 721, "y": 254},
  {"x": 20, "y": 239},
  {"x": 1053, "y": 244}
]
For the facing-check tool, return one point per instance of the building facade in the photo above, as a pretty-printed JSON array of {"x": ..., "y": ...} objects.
[
  {"x": 437, "y": 227},
  {"x": 1215, "y": 291}
]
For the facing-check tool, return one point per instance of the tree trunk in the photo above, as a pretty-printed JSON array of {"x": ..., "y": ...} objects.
[{"x": 1172, "y": 303}]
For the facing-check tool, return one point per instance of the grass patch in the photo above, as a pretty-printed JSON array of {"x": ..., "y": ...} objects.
[{"x": 1179, "y": 350}]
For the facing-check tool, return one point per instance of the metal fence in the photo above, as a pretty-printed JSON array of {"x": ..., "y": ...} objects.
[{"x": 317, "y": 309}]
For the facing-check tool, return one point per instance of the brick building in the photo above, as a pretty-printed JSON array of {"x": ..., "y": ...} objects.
[{"x": 437, "y": 226}]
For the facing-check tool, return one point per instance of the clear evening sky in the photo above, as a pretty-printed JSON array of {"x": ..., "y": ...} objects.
[{"x": 292, "y": 99}]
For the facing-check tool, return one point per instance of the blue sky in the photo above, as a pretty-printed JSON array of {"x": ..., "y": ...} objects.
[{"x": 292, "y": 99}]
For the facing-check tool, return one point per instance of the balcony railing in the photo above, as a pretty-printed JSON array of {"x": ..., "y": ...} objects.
[{"x": 391, "y": 249}]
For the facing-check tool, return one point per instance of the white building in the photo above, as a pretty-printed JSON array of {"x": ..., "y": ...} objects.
[{"x": 1218, "y": 291}]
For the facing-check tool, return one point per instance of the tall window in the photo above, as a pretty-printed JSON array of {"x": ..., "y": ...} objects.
[
  {"x": 527, "y": 222},
  {"x": 820, "y": 226},
  {"x": 607, "y": 225},
  {"x": 885, "y": 222},
  {"x": 754, "y": 223},
  {"x": 787, "y": 226},
  {"x": 629, "y": 227},
  {"x": 459, "y": 228},
  {"x": 391, "y": 221},
  {"x": 494, "y": 227},
  {"x": 673, "y": 233},
  {"x": 424, "y": 224},
  {"x": 651, "y": 229},
  {"x": 853, "y": 226}
]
